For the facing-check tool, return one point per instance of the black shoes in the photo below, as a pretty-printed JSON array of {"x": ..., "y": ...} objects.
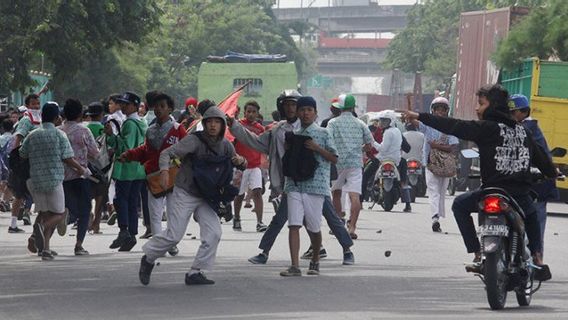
[
  {"x": 128, "y": 244},
  {"x": 15, "y": 230},
  {"x": 173, "y": 251},
  {"x": 145, "y": 271},
  {"x": 436, "y": 226},
  {"x": 120, "y": 240},
  {"x": 197, "y": 279},
  {"x": 542, "y": 274}
]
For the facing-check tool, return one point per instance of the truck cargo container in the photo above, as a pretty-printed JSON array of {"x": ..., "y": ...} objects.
[
  {"x": 545, "y": 83},
  {"x": 479, "y": 35}
]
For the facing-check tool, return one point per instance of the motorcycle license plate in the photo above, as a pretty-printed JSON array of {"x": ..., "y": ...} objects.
[{"x": 494, "y": 230}]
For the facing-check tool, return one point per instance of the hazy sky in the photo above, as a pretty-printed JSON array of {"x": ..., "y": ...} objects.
[{"x": 324, "y": 3}]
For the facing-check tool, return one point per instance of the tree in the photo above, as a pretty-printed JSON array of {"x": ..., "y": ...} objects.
[
  {"x": 67, "y": 32},
  {"x": 194, "y": 29},
  {"x": 542, "y": 34},
  {"x": 429, "y": 41}
]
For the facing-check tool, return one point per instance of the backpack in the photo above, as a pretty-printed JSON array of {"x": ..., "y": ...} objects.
[
  {"x": 212, "y": 175},
  {"x": 19, "y": 166},
  {"x": 299, "y": 163}
]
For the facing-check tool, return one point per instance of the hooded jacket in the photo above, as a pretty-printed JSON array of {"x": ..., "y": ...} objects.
[
  {"x": 506, "y": 149},
  {"x": 191, "y": 146}
]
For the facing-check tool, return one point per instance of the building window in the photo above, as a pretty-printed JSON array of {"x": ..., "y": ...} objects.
[{"x": 253, "y": 88}]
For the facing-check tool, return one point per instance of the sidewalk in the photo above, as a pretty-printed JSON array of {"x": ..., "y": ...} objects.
[{"x": 558, "y": 209}]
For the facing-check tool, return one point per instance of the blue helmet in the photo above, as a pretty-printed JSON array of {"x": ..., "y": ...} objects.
[{"x": 518, "y": 102}]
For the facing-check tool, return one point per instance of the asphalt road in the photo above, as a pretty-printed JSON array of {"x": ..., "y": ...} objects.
[{"x": 423, "y": 278}]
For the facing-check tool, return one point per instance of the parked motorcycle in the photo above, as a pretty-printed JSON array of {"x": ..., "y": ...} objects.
[{"x": 386, "y": 186}]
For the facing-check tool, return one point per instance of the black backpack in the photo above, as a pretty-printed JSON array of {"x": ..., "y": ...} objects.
[
  {"x": 299, "y": 163},
  {"x": 212, "y": 175},
  {"x": 19, "y": 166}
]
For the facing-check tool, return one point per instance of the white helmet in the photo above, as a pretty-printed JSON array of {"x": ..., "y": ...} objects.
[{"x": 388, "y": 114}]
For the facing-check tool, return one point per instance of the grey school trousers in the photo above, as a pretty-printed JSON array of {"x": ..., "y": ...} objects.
[{"x": 181, "y": 207}]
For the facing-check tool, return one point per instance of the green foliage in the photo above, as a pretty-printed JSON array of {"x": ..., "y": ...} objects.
[
  {"x": 168, "y": 58},
  {"x": 69, "y": 33},
  {"x": 429, "y": 42},
  {"x": 543, "y": 34}
]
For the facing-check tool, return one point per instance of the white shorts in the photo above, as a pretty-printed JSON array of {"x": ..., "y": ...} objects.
[
  {"x": 52, "y": 201},
  {"x": 252, "y": 179},
  {"x": 348, "y": 180},
  {"x": 305, "y": 208}
]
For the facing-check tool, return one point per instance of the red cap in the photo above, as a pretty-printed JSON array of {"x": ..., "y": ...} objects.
[{"x": 191, "y": 101}]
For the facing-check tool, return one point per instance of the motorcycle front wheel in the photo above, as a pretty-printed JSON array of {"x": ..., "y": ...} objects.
[{"x": 495, "y": 269}]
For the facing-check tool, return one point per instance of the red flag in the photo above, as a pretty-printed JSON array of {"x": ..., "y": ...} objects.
[{"x": 229, "y": 106}]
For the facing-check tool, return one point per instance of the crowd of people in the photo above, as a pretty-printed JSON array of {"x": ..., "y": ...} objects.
[{"x": 133, "y": 158}]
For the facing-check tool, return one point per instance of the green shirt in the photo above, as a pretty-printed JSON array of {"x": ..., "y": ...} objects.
[
  {"x": 96, "y": 128},
  {"x": 131, "y": 135},
  {"x": 46, "y": 147}
]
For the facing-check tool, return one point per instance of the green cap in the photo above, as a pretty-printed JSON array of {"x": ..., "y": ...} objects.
[{"x": 346, "y": 101}]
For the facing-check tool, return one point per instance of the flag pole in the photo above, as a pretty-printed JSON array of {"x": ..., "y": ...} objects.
[{"x": 233, "y": 92}]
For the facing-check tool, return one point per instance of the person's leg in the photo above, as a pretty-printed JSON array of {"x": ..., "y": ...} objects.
[
  {"x": 84, "y": 210},
  {"x": 294, "y": 243},
  {"x": 433, "y": 193},
  {"x": 463, "y": 206},
  {"x": 276, "y": 224},
  {"x": 144, "y": 196},
  {"x": 133, "y": 199},
  {"x": 336, "y": 225},
  {"x": 180, "y": 208},
  {"x": 541, "y": 217},
  {"x": 210, "y": 236},
  {"x": 156, "y": 207},
  {"x": 443, "y": 187},
  {"x": 355, "y": 209},
  {"x": 237, "y": 205},
  {"x": 336, "y": 196},
  {"x": 121, "y": 202},
  {"x": 258, "y": 204}
]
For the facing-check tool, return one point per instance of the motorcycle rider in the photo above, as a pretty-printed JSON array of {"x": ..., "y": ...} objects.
[
  {"x": 390, "y": 150},
  {"x": 546, "y": 190},
  {"x": 506, "y": 152}
]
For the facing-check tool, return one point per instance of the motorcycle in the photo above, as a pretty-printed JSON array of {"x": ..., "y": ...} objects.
[
  {"x": 416, "y": 179},
  {"x": 386, "y": 186},
  {"x": 506, "y": 261}
]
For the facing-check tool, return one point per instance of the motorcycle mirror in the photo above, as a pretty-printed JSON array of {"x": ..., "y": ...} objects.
[
  {"x": 558, "y": 152},
  {"x": 469, "y": 153}
]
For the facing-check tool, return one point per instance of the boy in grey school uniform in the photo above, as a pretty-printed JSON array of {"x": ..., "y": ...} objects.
[{"x": 187, "y": 200}]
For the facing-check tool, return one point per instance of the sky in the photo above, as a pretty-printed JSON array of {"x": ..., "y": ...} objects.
[{"x": 324, "y": 3}]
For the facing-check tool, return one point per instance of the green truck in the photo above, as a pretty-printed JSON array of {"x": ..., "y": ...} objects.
[
  {"x": 545, "y": 83},
  {"x": 266, "y": 80}
]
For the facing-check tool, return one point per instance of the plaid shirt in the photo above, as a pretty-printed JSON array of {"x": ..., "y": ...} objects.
[
  {"x": 83, "y": 144},
  {"x": 349, "y": 135},
  {"x": 46, "y": 147}
]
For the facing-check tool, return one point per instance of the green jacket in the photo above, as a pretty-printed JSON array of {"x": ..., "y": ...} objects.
[{"x": 131, "y": 135}]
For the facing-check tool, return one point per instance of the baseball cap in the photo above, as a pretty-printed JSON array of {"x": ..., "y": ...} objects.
[
  {"x": 518, "y": 102},
  {"x": 94, "y": 109},
  {"x": 335, "y": 103},
  {"x": 129, "y": 97},
  {"x": 346, "y": 101}
]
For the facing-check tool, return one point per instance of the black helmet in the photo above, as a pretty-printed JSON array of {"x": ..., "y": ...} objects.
[{"x": 288, "y": 94}]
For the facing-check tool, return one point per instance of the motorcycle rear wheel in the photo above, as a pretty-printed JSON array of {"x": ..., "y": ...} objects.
[
  {"x": 524, "y": 293},
  {"x": 495, "y": 277}
]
